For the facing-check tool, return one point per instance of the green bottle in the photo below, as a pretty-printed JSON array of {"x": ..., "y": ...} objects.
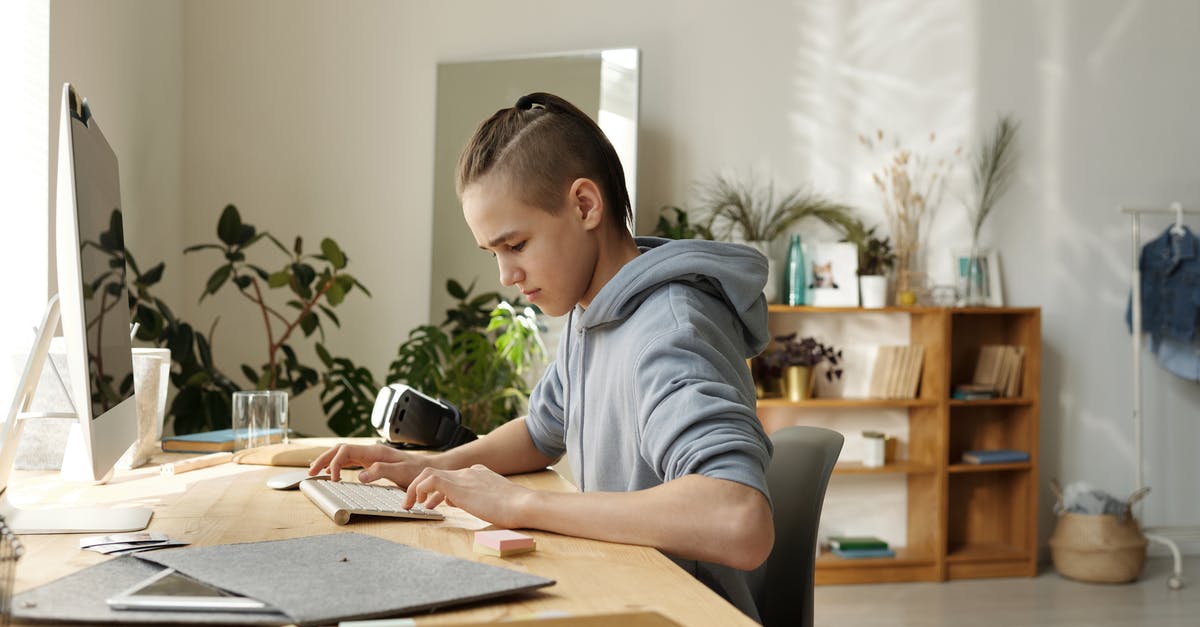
[{"x": 795, "y": 287}]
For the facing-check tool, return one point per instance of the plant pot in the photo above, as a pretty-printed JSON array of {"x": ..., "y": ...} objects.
[
  {"x": 798, "y": 382},
  {"x": 874, "y": 291}
]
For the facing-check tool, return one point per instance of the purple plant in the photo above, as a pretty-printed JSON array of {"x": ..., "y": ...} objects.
[{"x": 808, "y": 352}]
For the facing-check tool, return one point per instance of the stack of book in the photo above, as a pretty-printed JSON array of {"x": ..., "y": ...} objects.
[
  {"x": 897, "y": 372},
  {"x": 997, "y": 371},
  {"x": 973, "y": 392},
  {"x": 995, "y": 456},
  {"x": 859, "y": 547}
]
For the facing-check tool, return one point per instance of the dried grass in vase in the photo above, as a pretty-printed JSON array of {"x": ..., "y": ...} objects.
[{"x": 911, "y": 184}]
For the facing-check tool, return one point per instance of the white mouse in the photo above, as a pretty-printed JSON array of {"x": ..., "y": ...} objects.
[{"x": 291, "y": 479}]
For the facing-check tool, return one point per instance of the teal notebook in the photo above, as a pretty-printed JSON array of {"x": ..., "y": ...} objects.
[{"x": 202, "y": 442}]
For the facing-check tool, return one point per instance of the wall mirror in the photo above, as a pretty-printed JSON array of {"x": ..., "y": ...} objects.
[{"x": 603, "y": 83}]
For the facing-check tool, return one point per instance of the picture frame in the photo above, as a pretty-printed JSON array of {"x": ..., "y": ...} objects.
[
  {"x": 992, "y": 288},
  {"x": 831, "y": 274}
]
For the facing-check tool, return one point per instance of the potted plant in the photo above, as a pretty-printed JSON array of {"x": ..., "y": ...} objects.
[
  {"x": 798, "y": 361},
  {"x": 875, "y": 259},
  {"x": 992, "y": 166},
  {"x": 743, "y": 211}
]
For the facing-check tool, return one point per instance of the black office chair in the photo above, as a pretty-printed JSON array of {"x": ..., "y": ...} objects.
[{"x": 798, "y": 475}]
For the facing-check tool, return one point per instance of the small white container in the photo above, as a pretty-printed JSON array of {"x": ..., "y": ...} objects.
[{"x": 873, "y": 449}]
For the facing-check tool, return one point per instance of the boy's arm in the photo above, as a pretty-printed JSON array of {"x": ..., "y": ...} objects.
[
  {"x": 507, "y": 450},
  {"x": 692, "y": 517}
]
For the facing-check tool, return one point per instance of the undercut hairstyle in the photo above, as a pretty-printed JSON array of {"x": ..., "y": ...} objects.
[{"x": 540, "y": 146}]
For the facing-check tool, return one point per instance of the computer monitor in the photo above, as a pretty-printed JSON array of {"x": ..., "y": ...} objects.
[{"x": 94, "y": 306}]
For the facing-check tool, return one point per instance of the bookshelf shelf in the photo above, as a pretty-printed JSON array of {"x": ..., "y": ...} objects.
[
  {"x": 962, "y": 520},
  {"x": 803, "y": 309},
  {"x": 961, "y": 468},
  {"x": 989, "y": 552},
  {"x": 904, "y": 556},
  {"x": 985, "y": 402},
  {"x": 847, "y": 403},
  {"x": 903, "y": 466}
]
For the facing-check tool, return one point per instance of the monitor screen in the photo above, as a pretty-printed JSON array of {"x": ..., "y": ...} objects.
[
  {"x": 90, "y": 255},
  {"x": 102, "y": 266}
]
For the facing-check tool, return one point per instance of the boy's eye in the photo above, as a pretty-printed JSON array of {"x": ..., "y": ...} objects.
[{"x": 516, "y": 248}]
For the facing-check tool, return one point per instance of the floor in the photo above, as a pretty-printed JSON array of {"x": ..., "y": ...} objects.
[{"x": 1047, "y": 599}]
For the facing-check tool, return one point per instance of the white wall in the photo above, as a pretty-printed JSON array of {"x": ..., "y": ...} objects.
[{"x": 317, "y": 119}]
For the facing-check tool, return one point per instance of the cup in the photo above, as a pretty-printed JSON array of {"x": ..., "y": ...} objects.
[
  {"x": 873, "y": 449},
  {"x": 260, "y": 417},
  {"x": 151, "y": 374}
]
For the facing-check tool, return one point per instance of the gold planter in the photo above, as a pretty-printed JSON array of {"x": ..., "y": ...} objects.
[{"x": 798, "y": 382}]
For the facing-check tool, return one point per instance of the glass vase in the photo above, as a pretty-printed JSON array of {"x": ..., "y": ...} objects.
[{"x": 975, "y": 275}]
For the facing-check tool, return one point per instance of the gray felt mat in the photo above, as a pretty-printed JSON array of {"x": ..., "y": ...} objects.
[
  {"x": 312, "y": 580},
  {"x": 80, "y": 597}
]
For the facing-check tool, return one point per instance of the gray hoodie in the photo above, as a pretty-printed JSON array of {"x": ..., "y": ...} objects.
[{"x": 650, "y": 381}]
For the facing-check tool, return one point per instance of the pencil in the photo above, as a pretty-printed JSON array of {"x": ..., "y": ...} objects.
[{"x": 194, "y": 463}]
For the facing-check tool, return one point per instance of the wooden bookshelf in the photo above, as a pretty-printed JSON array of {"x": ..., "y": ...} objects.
[{"x": 963, "y": 520}]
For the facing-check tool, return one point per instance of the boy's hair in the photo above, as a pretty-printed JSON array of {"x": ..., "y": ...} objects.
[{"x": 540, "y": 145}]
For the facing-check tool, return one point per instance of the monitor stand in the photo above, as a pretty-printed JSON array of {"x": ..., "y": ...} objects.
[{"x": 56, "y": 520}]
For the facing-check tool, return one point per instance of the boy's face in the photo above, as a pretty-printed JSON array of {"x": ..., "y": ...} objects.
[{"x": 551, "y": 257}]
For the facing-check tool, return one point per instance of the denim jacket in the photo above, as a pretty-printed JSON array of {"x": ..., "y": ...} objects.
[{"x": 1170, "y": 270}]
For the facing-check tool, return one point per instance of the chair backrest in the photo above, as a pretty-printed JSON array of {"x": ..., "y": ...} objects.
[{"x": 798, "y": 475}]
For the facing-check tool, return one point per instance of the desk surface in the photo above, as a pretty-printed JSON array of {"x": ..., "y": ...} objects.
[{"x": 231, "y": 503}]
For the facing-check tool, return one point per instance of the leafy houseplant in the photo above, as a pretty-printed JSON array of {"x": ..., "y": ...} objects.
[
  {"x": 732, "y": 208},
  {"x": 794, "y": 362},
  {"x": 875, "y": 260},
  {"x": 680, "y": 227},
  {"x": 476, "y": 359},
  {"x": 875, "y": 255},
  {"x": 317, "y": 283}
]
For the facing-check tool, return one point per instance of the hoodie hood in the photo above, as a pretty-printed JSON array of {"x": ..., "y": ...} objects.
[{"x": 732, "y": 272}]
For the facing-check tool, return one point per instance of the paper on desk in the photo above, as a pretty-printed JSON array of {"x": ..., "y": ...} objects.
[
  {"x": 138, "y": 547},
  {"x": 137, "y": 537}
]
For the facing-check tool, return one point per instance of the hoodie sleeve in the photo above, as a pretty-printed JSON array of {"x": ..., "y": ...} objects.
[
  {"x": 545, "y": 420},
  {"x": 696, "y": 411}
]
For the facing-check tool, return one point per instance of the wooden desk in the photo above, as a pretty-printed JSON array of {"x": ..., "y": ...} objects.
[{"x": 231, "y": 503}]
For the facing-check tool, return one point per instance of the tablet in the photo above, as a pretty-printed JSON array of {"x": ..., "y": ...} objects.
[{"x": 171, "y": 590}]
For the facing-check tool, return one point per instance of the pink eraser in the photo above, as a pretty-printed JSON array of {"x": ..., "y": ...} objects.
[{"x": 503, "y": 540}]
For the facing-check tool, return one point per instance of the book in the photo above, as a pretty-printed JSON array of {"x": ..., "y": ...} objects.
[
  {"x": 995, "y": 456},
  {"x": 972, "y": 392},
  {"x": 854, "y": 554},
  {"x": 856, "y": 542},
  {"x": 202, "y": 442}
]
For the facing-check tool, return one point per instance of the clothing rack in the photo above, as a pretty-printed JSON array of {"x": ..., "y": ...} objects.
[{"x": 1163, "y": 535}]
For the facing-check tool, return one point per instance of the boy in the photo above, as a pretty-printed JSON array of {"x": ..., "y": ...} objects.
[{"x": 649, "y": 396}]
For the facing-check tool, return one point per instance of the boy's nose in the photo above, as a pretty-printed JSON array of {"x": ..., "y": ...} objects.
[{"x": 510, "y": 274}]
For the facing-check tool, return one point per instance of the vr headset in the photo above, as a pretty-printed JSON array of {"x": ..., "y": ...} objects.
[{"x": 406, "y": 418}]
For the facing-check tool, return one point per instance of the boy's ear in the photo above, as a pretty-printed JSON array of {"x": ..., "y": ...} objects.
[{"x": 585, "y": 199}]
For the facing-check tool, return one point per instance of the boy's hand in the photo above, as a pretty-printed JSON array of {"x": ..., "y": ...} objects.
[
  {"x": 377, "y": 460},
  {"x": 477, "y": 490}
]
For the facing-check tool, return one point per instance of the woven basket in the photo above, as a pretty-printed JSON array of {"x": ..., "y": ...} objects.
[{"x": 1099, "y": 548}]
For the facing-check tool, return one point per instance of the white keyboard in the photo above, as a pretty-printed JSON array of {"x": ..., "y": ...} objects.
[{"x": 340, "y": 499}]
